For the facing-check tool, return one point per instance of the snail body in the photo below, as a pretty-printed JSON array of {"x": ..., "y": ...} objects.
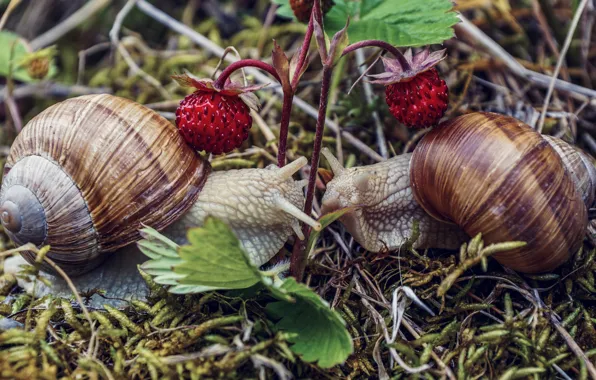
[
  {"x": 479, "y": 172},
  {"x": 86, "y": 174}
]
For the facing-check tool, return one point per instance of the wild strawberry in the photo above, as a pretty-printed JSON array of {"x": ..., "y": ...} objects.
[
  {"x": 303, "y": 8},
  {"x": 415, "y": 93},
  {"x": 420, "y": 102},
  {"x": 216, "y": 121}
]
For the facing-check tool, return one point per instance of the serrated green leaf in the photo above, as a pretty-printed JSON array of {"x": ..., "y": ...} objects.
[
  {"x": 399, "y": 22},
  {"x": 21, "y": 50},
  {"x": 163, "y": 254},
  {"x": 189, "y": 289},
  {"x": 318, "y": 333},
  {"x": 155, "y": 250},
  {"x": 366, "y": 6},
  {"x": 152, "y": 234},
  {"x": 215, "y": 258},
  {"x": 162, "y": 263},
  {"x": 166, "y": 278}
]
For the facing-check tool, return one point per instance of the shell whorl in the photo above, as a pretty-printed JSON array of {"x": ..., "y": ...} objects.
[
  {"x": 20, "y": 207},
  {"x": 110, "y": 158},
  {"x": 49, "y": 206}
]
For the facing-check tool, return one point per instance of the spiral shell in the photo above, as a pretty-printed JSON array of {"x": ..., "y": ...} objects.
[
  {"x": 494, "y": 175},
  {"x": 84, "y": 174}
]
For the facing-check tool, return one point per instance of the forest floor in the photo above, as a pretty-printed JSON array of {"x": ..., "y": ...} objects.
[{"x": 492, "y": 322}]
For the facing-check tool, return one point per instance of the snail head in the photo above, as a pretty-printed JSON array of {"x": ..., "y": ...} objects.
[{"x": 349, "y": 187}]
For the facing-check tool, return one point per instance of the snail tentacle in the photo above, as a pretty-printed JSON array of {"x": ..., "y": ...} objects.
[{"x": 334, "y": 163}]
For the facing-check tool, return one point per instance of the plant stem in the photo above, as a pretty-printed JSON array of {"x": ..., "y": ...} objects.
[
  {"x": 284, "y": 127},
  {"x": 289, "y": 97},
  {"x": 221, "y": 80},
  {"x": 381, "y": 44},
  {"x": 299, "y": 258},
  {"x": 314, "y": 163},
  {"x": 303, "y": 52}
]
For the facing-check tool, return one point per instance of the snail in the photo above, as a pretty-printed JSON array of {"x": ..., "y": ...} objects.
[
  {"x": 87, "y": 173},
  {"x": 477, "y": 173}
]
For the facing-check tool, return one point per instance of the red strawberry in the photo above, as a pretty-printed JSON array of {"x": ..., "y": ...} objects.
[
  {"x": 216, "y": 121},
  {"x": 303, "y": 8},
  {"x": 415, "y": 93},
  {"x": 420, "y": 102},
  {"x": 213, "y": 122}
]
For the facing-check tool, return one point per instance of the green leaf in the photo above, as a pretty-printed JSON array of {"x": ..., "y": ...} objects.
[
  {"x": 21, "y": 51},
  {"x": 399, "y": 22},
  {"x": 215, "y": 259},
  {"x": 163, "y": 253},
  {"x": 284, "y": 9},
  {"x": 318, "y": 333}
]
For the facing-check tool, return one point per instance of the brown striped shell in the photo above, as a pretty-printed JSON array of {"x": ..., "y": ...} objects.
[
  {"x": 84, "y": 174},
  {"x": 493, "y": 174}
]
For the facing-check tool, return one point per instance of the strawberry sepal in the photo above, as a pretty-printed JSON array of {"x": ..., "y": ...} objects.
[
  {"x": 395, "y": 72},
  {"x": 208, "y": 85}
]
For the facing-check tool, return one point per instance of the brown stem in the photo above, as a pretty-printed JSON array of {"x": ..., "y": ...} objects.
[
  {"x": 289, "y": 97},
  {"x": 303, "y": 52},
  {"x": 284, "y": 127},
  {"x": 381, "y": 44},
  {"x": 318, "y": 12},
  {"x": 221, "y": 80},
  {"x": 298, "y": 259}
]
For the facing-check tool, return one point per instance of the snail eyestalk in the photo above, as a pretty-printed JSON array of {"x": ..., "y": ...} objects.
[
  {"x": 302, "y": 183},
  {"x": 336, "y": 167},
  {"x": 290, "y": 169},
  {"x": 286, "y": 206}
]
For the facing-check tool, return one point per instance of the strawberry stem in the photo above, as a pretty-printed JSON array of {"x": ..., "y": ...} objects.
[
  {"x": 303, "y": 52},
  {"x": 381, "y": 44},
  {"x": 284, "y": 127},
  {"x": 288, "y": 98},
  {"x": 299, "y": 254},
  {"x": 287, "y": 102},
  {"x": 221, "y": 80}
]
